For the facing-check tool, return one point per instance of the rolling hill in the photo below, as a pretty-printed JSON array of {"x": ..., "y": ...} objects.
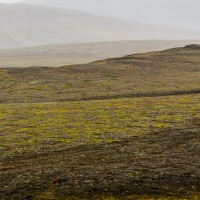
[
  {"x": 165, "y": 72},
  {"x": 26, "y": 25}
]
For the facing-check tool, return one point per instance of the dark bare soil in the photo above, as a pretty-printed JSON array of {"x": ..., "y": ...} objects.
[{"x": 166, "y": 163}]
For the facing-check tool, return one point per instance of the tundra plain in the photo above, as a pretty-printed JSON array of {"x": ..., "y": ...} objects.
[
  {"x": 120, "y": 128},
  {"x": 80, "y": 53}
]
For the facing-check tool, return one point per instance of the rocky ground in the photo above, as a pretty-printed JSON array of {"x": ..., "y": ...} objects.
[{"x": 164, "y": 163}]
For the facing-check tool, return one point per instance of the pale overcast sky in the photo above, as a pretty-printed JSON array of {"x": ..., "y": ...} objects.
[
  {"x": 177, "y": 13},
  {"x": 8, "y": 1}
]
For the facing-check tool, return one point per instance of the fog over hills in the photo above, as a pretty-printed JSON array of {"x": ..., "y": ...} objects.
[
  {"x": 57, "y": 55},
  {"x": 177, "y": 13},
  {"x": 26, "y": 25}
]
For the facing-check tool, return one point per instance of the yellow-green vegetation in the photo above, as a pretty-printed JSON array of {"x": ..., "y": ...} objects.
[
  {"x": 45, "y": 126},
  {"x": 50, "y": 196},
  {"x": 124, "y": 128}
]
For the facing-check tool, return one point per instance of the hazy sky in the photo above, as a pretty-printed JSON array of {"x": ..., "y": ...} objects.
[
  {"x": 26, "y": 25},
  {"x": 177, "y": 13},
  {"x": 8, "y": 1}
]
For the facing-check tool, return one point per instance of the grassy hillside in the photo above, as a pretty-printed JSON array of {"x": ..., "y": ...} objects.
[
  {"x": 122, "y": 128},
  {"x": 80, "y": 53},
  {"x": 151, "y": 74}
]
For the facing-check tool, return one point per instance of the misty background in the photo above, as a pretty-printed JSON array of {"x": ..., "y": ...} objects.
[
  {"x": 176, "y": 13},
  {"x": 28, "y": 23}
]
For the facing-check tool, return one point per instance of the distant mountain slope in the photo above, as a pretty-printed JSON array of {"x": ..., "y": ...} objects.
[
  {"x": 25, "y": 25},
  {"x": 177, "y": 13},
  {"x": 78, "y": 53}
]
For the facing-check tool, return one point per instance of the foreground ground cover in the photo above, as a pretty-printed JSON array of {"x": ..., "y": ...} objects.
[
  {"x": 124, "y": 128},
  {"x": 162, "y": 164}
]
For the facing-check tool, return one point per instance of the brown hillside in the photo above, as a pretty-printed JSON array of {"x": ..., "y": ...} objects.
[{"x": 173, "y": 71}]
